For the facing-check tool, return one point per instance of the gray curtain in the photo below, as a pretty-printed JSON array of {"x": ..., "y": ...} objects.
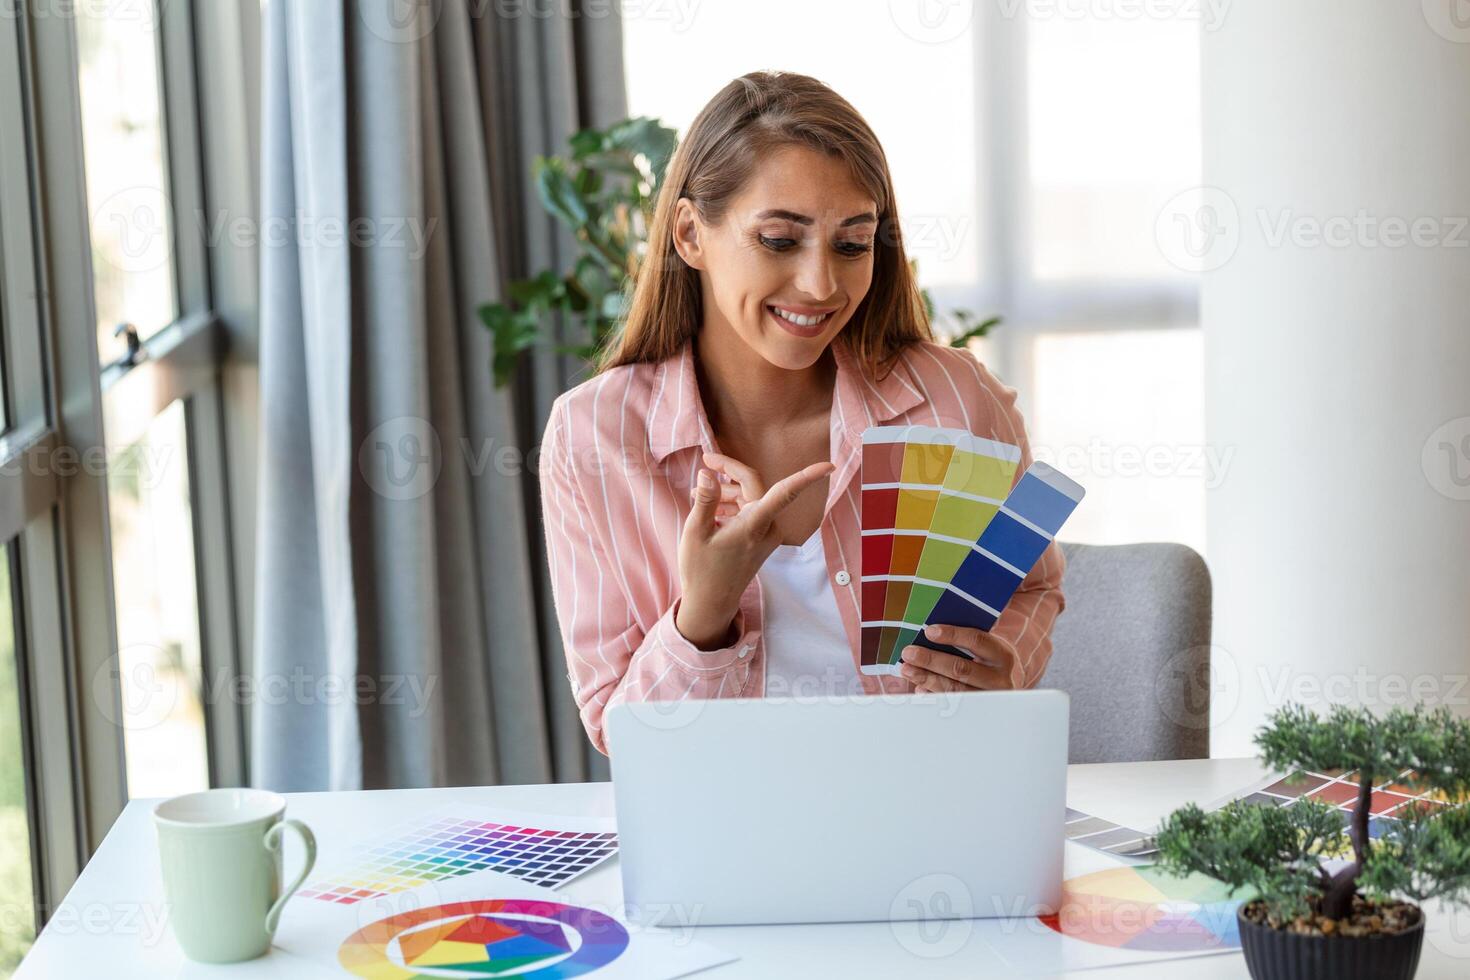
[{"x": 404, "y": 629}]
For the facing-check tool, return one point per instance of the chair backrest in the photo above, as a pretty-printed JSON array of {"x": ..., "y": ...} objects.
[{"x": 1132, "y": 650}]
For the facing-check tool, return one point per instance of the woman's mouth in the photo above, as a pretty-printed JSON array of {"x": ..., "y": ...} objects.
[{"x": 804, "y": 322}]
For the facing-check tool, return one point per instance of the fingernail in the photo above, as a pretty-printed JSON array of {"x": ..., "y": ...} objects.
[
  {"x": 704, "y": 480},
  {"x": 932, "y": 632}
]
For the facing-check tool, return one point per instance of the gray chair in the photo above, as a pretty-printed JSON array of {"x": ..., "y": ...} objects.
[{"x": 1132, "y": 650}]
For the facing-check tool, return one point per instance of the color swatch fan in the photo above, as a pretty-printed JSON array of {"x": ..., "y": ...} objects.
[{"x": 947, "y": 538}]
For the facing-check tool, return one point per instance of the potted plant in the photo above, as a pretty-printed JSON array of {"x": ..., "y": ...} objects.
[
  {"x": 603, "y": 193},
  {"x": 1321, "y": 904}
]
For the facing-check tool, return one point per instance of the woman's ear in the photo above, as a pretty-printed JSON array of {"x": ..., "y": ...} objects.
[{"x": 687, "y": 231}]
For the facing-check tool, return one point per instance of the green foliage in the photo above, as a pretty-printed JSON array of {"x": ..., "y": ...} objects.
[
  {"x": 1268, "y": 851},
  {"x": 1278, "y": 851},
  {"x": 604, "y": 194},
  {"x": 1436, "y": 744},
  {"x": 1427, "y": 857}
]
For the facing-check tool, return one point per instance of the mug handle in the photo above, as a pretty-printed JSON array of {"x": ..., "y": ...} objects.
[{"x": 273, "y": 842}]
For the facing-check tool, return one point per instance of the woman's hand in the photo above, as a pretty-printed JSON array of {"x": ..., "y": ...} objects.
[
  {"x": 996, "y": 666},
  {"x": 745, "y": 485},
  {"x": 718, "y": 560}
]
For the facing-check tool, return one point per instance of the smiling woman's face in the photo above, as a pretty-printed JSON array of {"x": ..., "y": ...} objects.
[{"x": 791, "y": 258}]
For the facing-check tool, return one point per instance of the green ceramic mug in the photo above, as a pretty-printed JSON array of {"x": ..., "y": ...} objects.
[{"x": 220, "y": 851}]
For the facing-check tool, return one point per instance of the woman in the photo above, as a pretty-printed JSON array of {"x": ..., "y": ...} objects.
[{"x": 701, "y": 493}]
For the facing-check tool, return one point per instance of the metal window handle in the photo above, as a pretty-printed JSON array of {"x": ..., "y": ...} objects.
[{"x": 135, "y": 344}]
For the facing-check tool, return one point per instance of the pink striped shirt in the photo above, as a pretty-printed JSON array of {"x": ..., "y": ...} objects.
[{"x": 618, "y": 458}]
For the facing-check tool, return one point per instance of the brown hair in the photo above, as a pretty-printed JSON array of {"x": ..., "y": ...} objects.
[{"x": 748, "y": 118}]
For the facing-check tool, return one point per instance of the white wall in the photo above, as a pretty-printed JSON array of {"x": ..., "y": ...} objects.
[{"x": 1339, "y": 373}]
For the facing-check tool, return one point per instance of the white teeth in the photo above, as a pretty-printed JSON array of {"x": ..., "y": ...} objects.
[{"x": 797, "y": 318}]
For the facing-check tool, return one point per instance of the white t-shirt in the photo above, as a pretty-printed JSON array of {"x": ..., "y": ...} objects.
[{"x": 806, "y": 648}]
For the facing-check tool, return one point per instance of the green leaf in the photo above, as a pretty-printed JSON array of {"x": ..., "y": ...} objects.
[
  {"x": 559, "y": 193},
  {"x": 971, "y": 332},
  {"x": 585, "y": 142}
]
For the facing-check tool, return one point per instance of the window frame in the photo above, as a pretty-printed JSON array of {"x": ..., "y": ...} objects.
[
  {"x": 58, "y": 515},
  {"x": 1035, "y": 307}
]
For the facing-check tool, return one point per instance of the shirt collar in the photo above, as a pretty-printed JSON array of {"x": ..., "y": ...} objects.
[{"x": 677, "y": 419}]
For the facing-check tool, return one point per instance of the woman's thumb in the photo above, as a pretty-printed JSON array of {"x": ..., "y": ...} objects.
[{"x": 706, "y": 495}]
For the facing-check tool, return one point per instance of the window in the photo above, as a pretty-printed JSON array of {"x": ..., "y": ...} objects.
[
  {"x": 160, "y": 668},
  {"x": 127, "y": 192},
  {"x": 17, "y": 869},
  {"x": 121, "y": 605},
  {"x": 1032, "y": 149}
]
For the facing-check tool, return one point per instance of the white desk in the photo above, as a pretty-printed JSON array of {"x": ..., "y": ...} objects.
[{"x": 112, "y": 918}]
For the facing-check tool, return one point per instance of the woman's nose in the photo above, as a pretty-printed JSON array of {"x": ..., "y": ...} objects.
[{"x": 814, "y": 275}]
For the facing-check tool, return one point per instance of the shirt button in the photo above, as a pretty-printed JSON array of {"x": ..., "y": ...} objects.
[
  {"x": 743, "y": 651},
  {"x": 843, "y": 578}
]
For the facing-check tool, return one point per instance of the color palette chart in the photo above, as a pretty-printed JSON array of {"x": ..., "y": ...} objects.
[
  {"x": 489, "y": 938},
  {"x": 948, "y": 533},
  {"x": 1146, "y": 909},
  {"x": 1340, "y": 789},
  {"x": 1108, "y": 837},
  {"x": 1337, "y": 788},
  {"x": 450, "y": 846}
]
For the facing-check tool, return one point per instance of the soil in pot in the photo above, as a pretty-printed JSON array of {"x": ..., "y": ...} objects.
[{"x": 1366, "y": 919}]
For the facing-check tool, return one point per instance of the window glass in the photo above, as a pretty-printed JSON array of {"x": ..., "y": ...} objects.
[
  {"x": 127, "y": 179},
  {"x": 159, "y": 664}
]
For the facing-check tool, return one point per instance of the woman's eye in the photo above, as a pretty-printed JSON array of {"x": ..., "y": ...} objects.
[
  {"x": 854, "y": 249},
  {"x": 777, "y": 244}
]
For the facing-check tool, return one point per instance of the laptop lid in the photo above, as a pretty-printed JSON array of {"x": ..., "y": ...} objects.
[{"x": 841, "y": 809}]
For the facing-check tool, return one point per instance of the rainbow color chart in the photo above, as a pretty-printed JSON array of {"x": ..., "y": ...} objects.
[
  {"x": 1145, "y": 909},
  {"x": 529, "y": 938},
  {"x": 949, "y": 533},
  {"x": 449, "y": 847}
]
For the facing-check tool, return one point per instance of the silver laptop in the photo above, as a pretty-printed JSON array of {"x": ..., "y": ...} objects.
[{"x": 841, "y": 809}]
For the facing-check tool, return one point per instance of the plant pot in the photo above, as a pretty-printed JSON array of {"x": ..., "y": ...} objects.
[{"x": 1275, "y": 954}]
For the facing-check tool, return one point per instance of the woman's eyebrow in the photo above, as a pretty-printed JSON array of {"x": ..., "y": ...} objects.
[{"x": 801, "y": 219}]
